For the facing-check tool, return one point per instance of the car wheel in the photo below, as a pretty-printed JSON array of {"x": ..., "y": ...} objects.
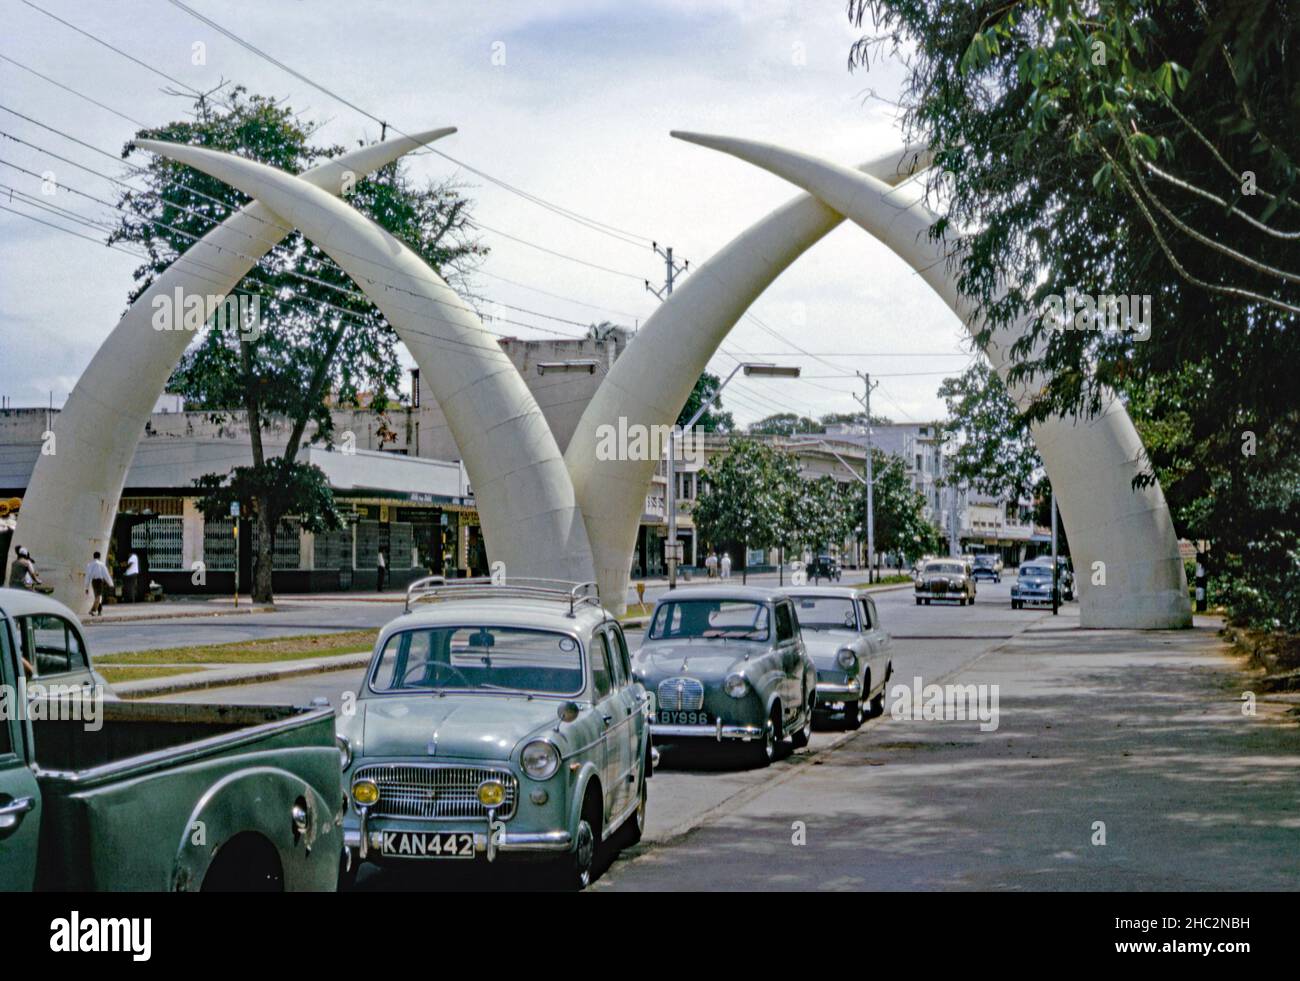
[
  {"x": 927, "y": 602},
  {"x": 630, "y": 833},
  {"x": 918, "y": 601},
  {"x": 766, "y": 752},
  {"x": 877, "y": 707},
  {"x": 803, "y": 735}
]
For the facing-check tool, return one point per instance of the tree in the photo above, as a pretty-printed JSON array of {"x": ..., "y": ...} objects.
[
  {"x": 316, "y": 336},
  {"x": 1143, "y": 148},
  {"x": 992, "y": 447},
  {"x": 743, "y": 496},
  {"x": 852, "y": 419},
  {"x": 899, "y": 511},
  {"x": 713, "y": 420},
  {"x": 784, "y": 424}
]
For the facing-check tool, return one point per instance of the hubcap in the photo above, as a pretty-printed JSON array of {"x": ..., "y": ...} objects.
[{"x": 586, "y": 851}]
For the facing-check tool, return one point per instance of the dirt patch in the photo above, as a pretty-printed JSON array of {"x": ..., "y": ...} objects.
[{"x": 1276, "y": 654}]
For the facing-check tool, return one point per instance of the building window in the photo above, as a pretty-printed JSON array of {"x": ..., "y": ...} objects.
[{"x": 288, "y": 545}]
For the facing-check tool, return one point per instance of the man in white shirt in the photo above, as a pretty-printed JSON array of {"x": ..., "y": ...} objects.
[
  {"x": 711, "y": 564},
  {"x": 97, "y": 581},
  {"x": 130, "y": 577},
  {"x": 382, "y": 569},
  {"x": 725, "y": 563}
]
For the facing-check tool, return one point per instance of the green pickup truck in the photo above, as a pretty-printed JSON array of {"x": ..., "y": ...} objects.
[{"x": 102, "y": 794}]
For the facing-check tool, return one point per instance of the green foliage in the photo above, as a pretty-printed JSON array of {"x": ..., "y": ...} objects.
[
  {"x": 900, "y": 525},
  {"x": 290, "y": 489},
  {"x": 993, "y": 449},
  {"x": 743, "y": 497},
  {"x": 784, "y": 424},
  {"x": 1133, "y": 147},
  {"x": 713, "y": 420}
]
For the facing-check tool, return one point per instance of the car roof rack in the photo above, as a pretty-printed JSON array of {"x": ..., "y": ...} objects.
[{"x": 433, "y": 589}]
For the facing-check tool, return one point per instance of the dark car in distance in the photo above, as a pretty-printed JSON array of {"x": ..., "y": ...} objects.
[{"x": 986, "y": 567}]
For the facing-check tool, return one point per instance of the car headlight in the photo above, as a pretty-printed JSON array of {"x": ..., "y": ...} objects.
[
  {"x": 847, "y": 660},
  {"x": 919, "y": 583},
  {"x": 735, "y": 685},
  {"x": 540, "y": 760},
  {"x": 365, "y": 792},
  {"x": 345, "y": 752}
]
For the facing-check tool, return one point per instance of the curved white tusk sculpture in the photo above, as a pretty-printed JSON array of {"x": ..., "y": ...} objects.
[
  {"x": 650, "y": 382},
  {"x": 72, "y": 498},
  {"x": 1121, "y": 537},
  {"x": 521, "y": 487}
]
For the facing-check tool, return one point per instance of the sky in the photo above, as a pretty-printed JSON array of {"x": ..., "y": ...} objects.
[{"x": 570, "y": 101}]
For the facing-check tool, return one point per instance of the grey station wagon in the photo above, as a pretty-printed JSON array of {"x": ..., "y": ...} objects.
[
  {"x": 728, "y": 663},
  {"x": 497, "y": 720}
]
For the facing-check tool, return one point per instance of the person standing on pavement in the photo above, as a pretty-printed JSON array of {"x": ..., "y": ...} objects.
[
  {"x": 711, "y": 564},
  {"x": 130, "y": 578},
  {"x": 381, "y": 568},
  {"x": 725, "y": 565},
  {"x": 98, "y": 581}
]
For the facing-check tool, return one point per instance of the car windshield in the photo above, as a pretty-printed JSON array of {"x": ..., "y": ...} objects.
[
  {"x": 984, "y": 560},
  {"x": 1033, "y": 569},
  {"x": 946, "y": 568},
  {"x": 827, "y": 613},
  {"x": 733, "y": 619},
  {"x": 479, "y": 658}
]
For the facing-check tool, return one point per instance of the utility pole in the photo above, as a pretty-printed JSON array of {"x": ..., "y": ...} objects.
[
  {"x": 671, "y": 269},
  {"x": 865, "y": 401},
  {"x": 1056, "y": 579}
]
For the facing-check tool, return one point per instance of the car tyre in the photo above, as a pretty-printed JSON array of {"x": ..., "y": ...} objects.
[
  {"x": 634, "y": 827},
  {"x": 918, "y": 601},
  {"x": 766, "y": 751},
  {"x": 803, "y": 735}
]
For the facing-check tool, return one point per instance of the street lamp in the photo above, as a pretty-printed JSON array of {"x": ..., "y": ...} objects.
[{"x": 751, "y": 369}]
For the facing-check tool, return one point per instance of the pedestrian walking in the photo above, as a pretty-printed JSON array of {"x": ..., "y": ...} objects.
[
  {"x": 725, "y": 565},
  {"x": 381, "y": 569},
  {"x": 98, "y": 581},
  {"x": 130, "y": 578},
  {"x": 23, "y": 574},
  {"x": 711, "y": 564}
]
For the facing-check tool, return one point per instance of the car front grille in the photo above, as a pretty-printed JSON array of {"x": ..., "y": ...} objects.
[
  {"x": 938, "y": 586},
  {"x": 681, "y": 695},
  {"x": 436, "y": 791}
]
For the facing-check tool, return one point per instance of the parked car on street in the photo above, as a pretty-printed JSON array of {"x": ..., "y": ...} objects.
[
  {"x": 945, "y": 579},
  {"x": 986, "y": 566},
  {"x": 497, "y": 720},
  {"x": 841, "y": 630},
  {"x": 102, "y": 794},
  {"x": 728, "y": 663},
  {"x": 1033, "y": 585},
  {"x": 824, "y": 567}
]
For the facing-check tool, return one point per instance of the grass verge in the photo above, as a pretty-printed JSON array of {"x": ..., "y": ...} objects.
[{"x": 252, "y": 651}]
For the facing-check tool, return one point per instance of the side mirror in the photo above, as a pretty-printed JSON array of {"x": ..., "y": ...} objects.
[{"x": 567, "y": 712}]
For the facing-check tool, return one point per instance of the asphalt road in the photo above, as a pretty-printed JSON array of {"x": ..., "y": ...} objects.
[
  {"x": 930, "y": 642},
  {"x": 318, "y": 614}
]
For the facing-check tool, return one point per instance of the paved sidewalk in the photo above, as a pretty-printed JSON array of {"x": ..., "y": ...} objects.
[{"x": 1134, "y": 738}]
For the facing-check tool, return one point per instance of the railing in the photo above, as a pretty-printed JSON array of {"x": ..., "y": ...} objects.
[{"x": 433, "y": 589}]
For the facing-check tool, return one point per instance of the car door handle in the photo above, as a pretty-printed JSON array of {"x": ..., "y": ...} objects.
[
  {"x": 11, "y": 814},
  {"x": 607, "y": 719}
]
